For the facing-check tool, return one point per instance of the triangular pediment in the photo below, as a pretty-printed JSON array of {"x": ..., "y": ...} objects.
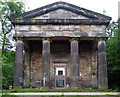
[
  {"x": 60, "y": 14},
  {"x": 62, "y": 10}
]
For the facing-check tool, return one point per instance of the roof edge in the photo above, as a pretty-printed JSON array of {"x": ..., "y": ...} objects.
[
  {"x": 63, "y": 5},
  {"x": 60, "y": 21}
]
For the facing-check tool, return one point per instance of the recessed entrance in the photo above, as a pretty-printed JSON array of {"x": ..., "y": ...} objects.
[{"x": 60, "y": 75}]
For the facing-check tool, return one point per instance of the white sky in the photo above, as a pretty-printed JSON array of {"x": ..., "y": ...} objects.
[{"x": 110, "y": 6}]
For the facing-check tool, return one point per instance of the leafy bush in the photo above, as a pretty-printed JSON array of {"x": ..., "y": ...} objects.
[
  {"x": 8, "y": 61},
  {"x": 113, "y": 56}
]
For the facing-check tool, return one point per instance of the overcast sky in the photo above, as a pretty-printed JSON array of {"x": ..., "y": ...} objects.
[{"x": 110, "y": 6}]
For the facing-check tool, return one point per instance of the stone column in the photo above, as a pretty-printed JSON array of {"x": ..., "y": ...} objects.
[
  {"x": 18, "y": 70},
  {"x": 102, "y": 65},
  {"x": 46, "y": 63},
  {"x": 74, "y": 62}
]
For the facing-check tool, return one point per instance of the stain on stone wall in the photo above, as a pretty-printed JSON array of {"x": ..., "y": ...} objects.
[
  {"x": 36, "y": 63},
  {"x": 27, "y": 69},
  {"x": 85, "y": 65}
]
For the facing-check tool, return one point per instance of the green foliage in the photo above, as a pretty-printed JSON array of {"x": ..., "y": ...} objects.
[
  {"x": 6, "y": 94},
  {"x": 9, "y": 95},
  {"x": 8, "y": 61},
  {"x": 113, "y": 55},
  {"x": 112, "y": 28},
  {"x": 8, "y": 11},
  {"x": 44, "y": 89},
  {"x": 112, "y": 46},
  {"x": 75, "y": 88}
]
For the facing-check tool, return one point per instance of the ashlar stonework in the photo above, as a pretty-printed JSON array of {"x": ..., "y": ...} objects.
[{"x": 64, "y": 47}]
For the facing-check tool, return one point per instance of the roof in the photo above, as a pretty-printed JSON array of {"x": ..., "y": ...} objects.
[{"x": 95, "y": 18}]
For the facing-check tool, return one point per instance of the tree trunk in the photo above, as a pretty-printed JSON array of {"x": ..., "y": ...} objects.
[{"x": 3, "y": 44}]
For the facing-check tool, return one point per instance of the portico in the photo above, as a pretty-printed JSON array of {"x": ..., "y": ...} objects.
[{"x": 64, "y": 47}]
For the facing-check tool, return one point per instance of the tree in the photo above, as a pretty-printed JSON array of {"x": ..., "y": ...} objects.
[
  {"x": 113, "y": 43},
  {"x": 8, "y": 11},
  {"x": 113, "y": 55},
  {"x": 8, "y": 69}
]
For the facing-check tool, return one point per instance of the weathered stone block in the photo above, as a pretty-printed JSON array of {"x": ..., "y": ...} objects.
[
  {"x": 64, "y": 27},
  {"x": 55, "y": 28},
  {"x": 71, "y": 27},
  {"x": 24, "y": 28},
  {"x": 17, "y": 28},
  {"x": 33, "y": 28},
  {"x": 44, "y": 28},
  {"x": 76, "y": 27}
]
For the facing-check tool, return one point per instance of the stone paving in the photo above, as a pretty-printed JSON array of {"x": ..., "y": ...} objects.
[{"x": 70, "y": 93}]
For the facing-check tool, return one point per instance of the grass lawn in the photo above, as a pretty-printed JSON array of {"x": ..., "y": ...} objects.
[{"x": 46, "y": 90}]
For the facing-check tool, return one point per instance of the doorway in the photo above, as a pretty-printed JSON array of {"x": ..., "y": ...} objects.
[{"x": 60, "y": 76}]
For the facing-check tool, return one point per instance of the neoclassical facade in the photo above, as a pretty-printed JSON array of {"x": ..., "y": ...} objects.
[{"x": 64, "y": 47}]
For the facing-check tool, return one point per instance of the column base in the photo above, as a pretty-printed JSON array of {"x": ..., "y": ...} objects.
[{"x": 74, "y": 81}]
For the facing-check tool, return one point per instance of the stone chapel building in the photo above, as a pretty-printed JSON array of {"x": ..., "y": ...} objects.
[{"x": 64, "y": 46}]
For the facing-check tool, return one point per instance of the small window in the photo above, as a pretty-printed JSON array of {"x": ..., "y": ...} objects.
[{"x": 60, "y": 72}]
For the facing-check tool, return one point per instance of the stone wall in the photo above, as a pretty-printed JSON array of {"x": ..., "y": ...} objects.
[
  {"x": 60, "y": 56},
  {"x": 36, "y": 63},
  {"x": 60, "y": 30},
  {"x": 27, "y": 68},
  {"x": 85, "y": 65}
]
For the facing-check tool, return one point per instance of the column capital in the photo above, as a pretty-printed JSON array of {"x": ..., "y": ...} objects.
[
  {"x": 102, "y": 39},
  {"x": 73, "y": 39},
  {"x": 19, "y": 39},
  {"x": 19, "y": 42},
  {"x": 101, "y": 46},
  {"x": 43, "y": 39}
]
